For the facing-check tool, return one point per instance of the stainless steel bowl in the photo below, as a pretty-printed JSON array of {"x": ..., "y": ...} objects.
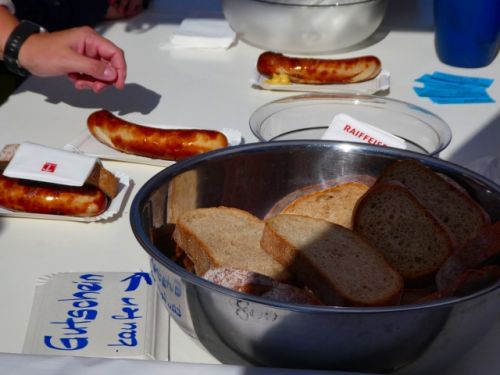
[
  {"x": 242, "y": 329},
  {"x": 304, "y": 26}
]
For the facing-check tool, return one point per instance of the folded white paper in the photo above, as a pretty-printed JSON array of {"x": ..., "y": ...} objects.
[
  {"x": 94, "y": 314},
  {"x": 41, "y": 163},
  {"x": 202, "y": 33},
  {"x": 349, "y": 129}
]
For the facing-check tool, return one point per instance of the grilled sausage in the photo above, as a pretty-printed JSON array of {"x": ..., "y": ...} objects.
[
  {"x": 319, "y": 71},
  {"x": 167, "y": 144},
  {"x": 36, "y": 197}
]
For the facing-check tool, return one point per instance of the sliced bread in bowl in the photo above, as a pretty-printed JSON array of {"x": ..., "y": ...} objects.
[
  {"x": 225, "y": 237},
  {"x": 334, "y": 204},
  {"x": 463, "y": 216},
  {"x": 394, "y": 221},
  {"x": 334, "y": 262}
]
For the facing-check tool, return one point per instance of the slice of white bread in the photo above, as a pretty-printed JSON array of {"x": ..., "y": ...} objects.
[
  {"x": 334, "y": 262},
  {"x": 393, "y": 220},
  {"x": 225, "y": 237},
  {"x": 334, "y": 204},
  {"x": 286, "y": 200},
  {"x": 452, "y": 206}
]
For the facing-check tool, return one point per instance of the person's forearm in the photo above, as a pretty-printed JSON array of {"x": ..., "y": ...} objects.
[{"x": 7, "y": 23}]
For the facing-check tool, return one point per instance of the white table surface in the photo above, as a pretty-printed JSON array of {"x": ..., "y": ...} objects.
[{"x": 208, "y": 89}]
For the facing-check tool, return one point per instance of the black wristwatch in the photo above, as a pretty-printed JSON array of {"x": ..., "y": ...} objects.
[{"x": 14, "y": 43}]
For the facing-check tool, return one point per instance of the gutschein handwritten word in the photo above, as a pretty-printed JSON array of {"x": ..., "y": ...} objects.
[{"x": 83, "y": 311}]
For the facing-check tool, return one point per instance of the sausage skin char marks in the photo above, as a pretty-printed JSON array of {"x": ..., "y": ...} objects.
[
  {"x": 167, "y": 144},
  {"x": 319, "y": 71},
  {"x": 42, "y": 198}
]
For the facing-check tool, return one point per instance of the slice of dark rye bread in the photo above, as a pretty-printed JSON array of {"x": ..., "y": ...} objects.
[
  {"x": 477, "y": 252},
  {"x": 335, "y": 263},
  {"x": 225, "y": 237},
  {"x": 451, "y": 205},
  {"x": 394, "y": 221}
]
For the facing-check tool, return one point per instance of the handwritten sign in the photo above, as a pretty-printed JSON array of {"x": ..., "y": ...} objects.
[
  {"x": 94, "y": 314},
  {"x": 173, "y": 296}
]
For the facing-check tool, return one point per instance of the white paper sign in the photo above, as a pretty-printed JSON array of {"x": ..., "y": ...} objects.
[
  {"x": 347, "y": 128},
  {"x": 41, "y": 163},
  {"x": 94, "y": 314}
]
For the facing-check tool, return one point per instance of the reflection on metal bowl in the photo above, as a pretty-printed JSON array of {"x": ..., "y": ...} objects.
[{"x": 242, "y": 329}]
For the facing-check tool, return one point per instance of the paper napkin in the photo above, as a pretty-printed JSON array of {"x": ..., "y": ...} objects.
[{"x": 202, "y": 33}]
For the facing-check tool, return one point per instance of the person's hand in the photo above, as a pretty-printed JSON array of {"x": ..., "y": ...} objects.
[
  {"x": 124, "y": 8},
  {"x": 90, "y": 60}
]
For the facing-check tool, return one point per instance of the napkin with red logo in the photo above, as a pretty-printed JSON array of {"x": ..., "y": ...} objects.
[
  {"x": 34, "y": 162},
  {"x": 40, "y": 163}
]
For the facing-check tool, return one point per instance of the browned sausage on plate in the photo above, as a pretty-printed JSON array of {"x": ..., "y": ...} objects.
[
  {"x": 167, "y": 144},
  {"x": 36, "y": 197},
  {"x": 319, "y": 71}
]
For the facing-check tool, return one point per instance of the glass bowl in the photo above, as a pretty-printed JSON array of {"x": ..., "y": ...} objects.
[
  {"x": 304, "y": 26},
  {"x": 306, "y": 117}
]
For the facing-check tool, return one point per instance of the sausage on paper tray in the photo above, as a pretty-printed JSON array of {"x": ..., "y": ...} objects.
[
  {"x": 156, "y": 143},
  {"x": 42, "y": 198},
  {"x": 319, "y": 71},
  {"x": 26, "y": 195}
]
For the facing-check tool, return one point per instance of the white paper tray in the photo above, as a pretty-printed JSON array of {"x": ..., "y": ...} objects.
[
  {"x": 378, "y": 84},
  {"x": 87, "y": 144},
  {"x": 111, "y": 211}
]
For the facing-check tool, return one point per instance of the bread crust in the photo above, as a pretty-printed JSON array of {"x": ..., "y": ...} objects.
[
  {"x": 334, "y": 204},
  {"x": 417, "y": 224},
  {"x": 226, "y": 245},
  {"x": 321, "y": 279},
  {"x": 256, "y": 284},
  {"x": 481, "y": 249},
  {"x": 450, "y": 204},
  {"x": 289, "y": 198}
]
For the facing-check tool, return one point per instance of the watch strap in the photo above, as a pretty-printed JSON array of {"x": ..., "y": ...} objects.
[{"x": 16, "y": 39}]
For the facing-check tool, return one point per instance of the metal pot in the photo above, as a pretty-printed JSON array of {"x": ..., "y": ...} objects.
[{"x": 242, "y": 329}]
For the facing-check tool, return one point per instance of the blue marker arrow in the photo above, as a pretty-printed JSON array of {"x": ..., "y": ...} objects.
[{"x": 135, "y": 280}]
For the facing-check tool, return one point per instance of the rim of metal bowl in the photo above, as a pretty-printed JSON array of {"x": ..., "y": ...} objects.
[
  {"x": 184, "y": 165},
  {"x": 443, "y": 128}
]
